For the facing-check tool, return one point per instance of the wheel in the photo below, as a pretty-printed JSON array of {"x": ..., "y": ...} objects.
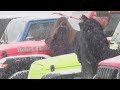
[{"x": 20, "y": 75}]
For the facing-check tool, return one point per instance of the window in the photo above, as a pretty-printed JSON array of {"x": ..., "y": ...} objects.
[
  {"x": 13, "y": 30},
  {"x": 39, "y": 31},
  {"x": 116, "y": 35}
]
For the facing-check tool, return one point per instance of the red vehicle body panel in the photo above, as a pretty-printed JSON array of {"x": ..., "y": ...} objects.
[
  {"x": 25, "y": 48},
  {"x": 113, "y": 62}
]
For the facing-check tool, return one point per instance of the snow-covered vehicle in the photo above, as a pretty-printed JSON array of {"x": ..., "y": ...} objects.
[{"x": 109, "y": 69}]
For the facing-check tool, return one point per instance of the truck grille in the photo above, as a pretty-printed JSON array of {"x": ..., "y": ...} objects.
[{"x": 105, "y": 72}]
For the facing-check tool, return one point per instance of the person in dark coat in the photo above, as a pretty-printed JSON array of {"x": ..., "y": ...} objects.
[
  {"x": 91, "y": 45},
  {"x": 61, "y": 37}
]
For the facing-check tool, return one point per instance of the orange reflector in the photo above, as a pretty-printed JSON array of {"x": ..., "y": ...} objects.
[{"x": 3, "y": 65}]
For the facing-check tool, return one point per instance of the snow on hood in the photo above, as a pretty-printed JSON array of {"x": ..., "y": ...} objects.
[{"x": 113, "y": 62}]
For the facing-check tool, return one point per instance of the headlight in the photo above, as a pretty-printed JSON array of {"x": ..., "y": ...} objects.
[{"x": 3, "y": 65}]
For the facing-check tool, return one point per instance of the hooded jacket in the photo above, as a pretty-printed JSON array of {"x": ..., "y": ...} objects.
[{"x": 91, "y": 45}]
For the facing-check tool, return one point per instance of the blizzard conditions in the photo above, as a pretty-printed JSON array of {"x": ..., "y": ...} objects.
[{"x": 60, "y": 45}]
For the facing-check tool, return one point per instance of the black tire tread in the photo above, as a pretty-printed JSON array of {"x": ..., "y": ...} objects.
[{"x": 20, "y": 75}]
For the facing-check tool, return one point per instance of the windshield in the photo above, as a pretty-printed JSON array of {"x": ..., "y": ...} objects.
[
  {"x": 116, "y": 35},
  {"x": 39, "y": 31},
  {"x": 13, "y": 31}
]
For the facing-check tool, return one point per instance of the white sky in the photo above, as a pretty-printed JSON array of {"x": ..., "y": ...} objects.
[
  {"x": 34, "y": 13},
  {"x": 29, "y": 13}
]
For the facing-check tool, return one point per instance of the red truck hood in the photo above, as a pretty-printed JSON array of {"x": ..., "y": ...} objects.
[
  {"x": 25, "y": 48},
  {"x": 114, "y": 62}
]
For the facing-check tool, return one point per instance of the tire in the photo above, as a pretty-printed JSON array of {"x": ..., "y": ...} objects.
[{"x": 20, "y": 75}]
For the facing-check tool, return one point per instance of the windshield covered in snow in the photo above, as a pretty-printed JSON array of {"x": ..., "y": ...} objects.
[{"x": 12, "y": 32}]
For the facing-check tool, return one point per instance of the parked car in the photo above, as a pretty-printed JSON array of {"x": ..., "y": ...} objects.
[{"x": 108, "y": 69}]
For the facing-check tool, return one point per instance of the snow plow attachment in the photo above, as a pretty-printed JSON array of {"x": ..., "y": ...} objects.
[{"x": 63, "y": 62}]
